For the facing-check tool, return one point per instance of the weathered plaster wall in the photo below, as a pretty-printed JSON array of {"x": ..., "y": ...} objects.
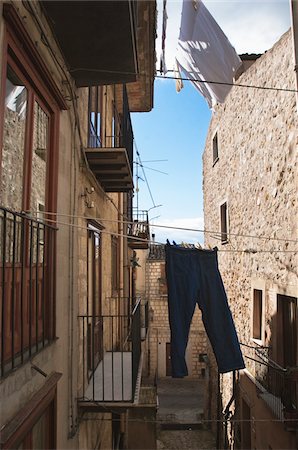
[{"x": 256, "y": 174}]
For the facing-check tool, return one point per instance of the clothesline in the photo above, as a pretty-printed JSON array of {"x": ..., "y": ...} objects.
[
  {"x": 114, "y": 233},
  {"x": 197, "y": 230}
]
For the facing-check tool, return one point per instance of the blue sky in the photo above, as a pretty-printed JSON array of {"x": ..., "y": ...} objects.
[{"x": 175, "y": 130}]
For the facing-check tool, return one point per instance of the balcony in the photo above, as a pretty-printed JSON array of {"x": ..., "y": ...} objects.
[
  {"x": 110, "y": 348},
  {"x": 278, "y": 387},
  {"x": 97, "y": 39},
  {"x": 138, "y": 230},
  {"x": 111, "y": 161},
  {"x": 27, "y": 280}
]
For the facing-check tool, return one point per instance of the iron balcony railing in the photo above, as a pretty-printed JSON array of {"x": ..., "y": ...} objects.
[
  {"x": 280, "y": 386},
  {"x": 110, "y": 352},
  {"x": 122, "y": 132},
  {"x": 138, "y": 229},
  {"x": 27, "y": 281}
]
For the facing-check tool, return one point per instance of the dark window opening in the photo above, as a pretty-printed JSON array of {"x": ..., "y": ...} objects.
[
  {"x": 215, "y": 148},
  {"x": 224, "y": 223},
  {"x": 257, "y": 314},
  {"x": 286, "y": 331},
  {"x": 115, "y": 264}
]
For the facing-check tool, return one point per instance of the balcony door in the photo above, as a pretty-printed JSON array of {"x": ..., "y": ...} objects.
[
  {"x": 27, "y": 184},
  {"x": 95, "y": 321}
]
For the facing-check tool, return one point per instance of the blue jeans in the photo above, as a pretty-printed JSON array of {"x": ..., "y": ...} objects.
[{"x": 193, "y": 277}]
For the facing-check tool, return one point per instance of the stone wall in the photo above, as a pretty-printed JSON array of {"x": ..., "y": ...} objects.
[
  {"x": 256, "y": 175},
  {"x": 159, "y": 330}
]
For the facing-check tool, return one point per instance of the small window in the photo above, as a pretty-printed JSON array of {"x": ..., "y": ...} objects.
[
  {"x": 115, "y": 264},
  {"x": 257, "y": 314},
  {"x": 215, "y": 148},
  {"x": 224, "y": 223}
]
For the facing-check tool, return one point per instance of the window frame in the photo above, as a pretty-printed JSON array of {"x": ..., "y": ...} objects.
[
  {"x": 21, "y": 54},
  {"x": 17, "y": 429},
  {"x": 18, "y": 45},
  {"x": 259, "y": 340}
]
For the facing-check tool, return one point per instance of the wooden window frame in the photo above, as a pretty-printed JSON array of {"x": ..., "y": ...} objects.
[
  {"x": 21, "y": 54},
  {"x": 17, "y": 429}
]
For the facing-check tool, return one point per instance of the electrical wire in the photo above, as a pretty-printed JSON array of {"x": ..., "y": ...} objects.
[
  {"x": 251, "y": 86},
  {"x": 144, "y": 174}
]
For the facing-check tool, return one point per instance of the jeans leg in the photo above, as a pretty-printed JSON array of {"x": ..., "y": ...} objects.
[
  {"x": 182, "y": 287},
  {"x": 217, "y": 316}
]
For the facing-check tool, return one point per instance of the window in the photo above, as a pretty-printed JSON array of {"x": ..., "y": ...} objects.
[
  {"x": 34, "y": 426},
  {"x": 257, "y": 314},
  {"x": 224, "y": 223},
  {"x": 286, "y": 353},
  {"x": 94, "y": 117},
  {"x": 94, "y": 298},
  {"x": 215, "y": 148},
  {"x": 29, "y": 116},
  {"x": 163, "y": 290},
  {"x": 115, "y": 264}
]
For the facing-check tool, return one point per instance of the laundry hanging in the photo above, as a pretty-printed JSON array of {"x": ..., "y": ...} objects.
[
  {"x": 193, "y": 277},
  {"x": 204, "y": 52}
]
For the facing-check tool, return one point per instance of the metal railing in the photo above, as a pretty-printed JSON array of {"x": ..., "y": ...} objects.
[
  {"x": 110, "y": 351},
  {"x": 27, "y": 287},
  {"x": 280, "y": 386},
  {"x": 139, "y": 227},
  {"x": 122, "y": 132}
]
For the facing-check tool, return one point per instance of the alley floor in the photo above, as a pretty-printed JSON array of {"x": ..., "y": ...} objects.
[{"x": 180, "y": 412}]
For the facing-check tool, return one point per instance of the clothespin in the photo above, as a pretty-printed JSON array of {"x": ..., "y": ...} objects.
[{"x": 198, "y": 246}]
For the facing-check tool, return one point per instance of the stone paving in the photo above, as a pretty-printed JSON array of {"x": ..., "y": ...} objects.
[{"x": 181, "y": 403}]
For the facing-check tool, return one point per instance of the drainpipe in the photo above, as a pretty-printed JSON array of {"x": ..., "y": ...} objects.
[{"x": 294, "y": 17}]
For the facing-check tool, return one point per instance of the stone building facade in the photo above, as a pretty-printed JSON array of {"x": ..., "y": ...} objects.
[
  {"x": 159, "y": 330},
  {"x": 250, "y": 201},
  {"x": 66, "y": 275}
]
